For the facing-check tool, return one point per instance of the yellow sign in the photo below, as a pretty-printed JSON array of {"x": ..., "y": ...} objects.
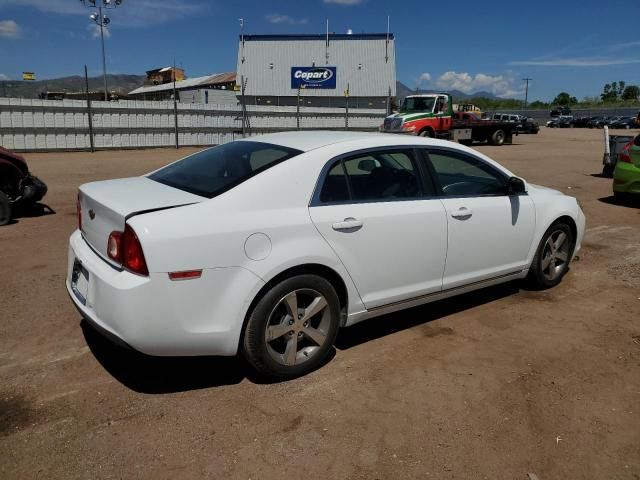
[
  {"x": 28, "y": 76},
  {"x": 236, "y": 88}
]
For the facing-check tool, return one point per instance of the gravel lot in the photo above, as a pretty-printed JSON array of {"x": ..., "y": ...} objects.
[{"x": 494, "y": 384}]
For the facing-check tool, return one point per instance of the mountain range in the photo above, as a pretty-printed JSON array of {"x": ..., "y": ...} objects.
[
  {"x": 125, "y": 83},
  {"x": 402, "y": 91}
]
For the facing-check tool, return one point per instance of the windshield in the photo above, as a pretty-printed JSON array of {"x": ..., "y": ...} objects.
[
  {"x": 213, "y": 171},
  {"x": 418, "y": 104}
]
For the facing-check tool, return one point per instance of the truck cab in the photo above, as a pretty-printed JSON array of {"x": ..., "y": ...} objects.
[{"x": 427, "y": 115}]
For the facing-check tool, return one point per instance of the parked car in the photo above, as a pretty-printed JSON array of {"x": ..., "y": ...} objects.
[
  {"x": 583, "y": 122},
  {"x": 557, "y": 111},
  {"x": 626, "y": 176},
  {"x": 18, "y": 187},
  {"x": 623, "y": 123},
  {"x": 522, "y": 124},
  {"x": 268, "y": 245},
  {"x": 564, "y": 121},
  {"x": 599, "y": 122}
]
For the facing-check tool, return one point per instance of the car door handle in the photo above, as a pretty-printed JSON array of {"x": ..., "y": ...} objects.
[
  {"x": 349, "y": 224},
  {"x": 462, "y": 213}
]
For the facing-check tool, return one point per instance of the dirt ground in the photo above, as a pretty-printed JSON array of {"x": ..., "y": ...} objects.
[{"x": 491, "y": 385}]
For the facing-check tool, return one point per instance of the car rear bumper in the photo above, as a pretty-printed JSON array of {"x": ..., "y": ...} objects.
[{"x": 157, "y": 316}]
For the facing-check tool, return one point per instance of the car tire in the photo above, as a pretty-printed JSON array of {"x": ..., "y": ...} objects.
[
  {"x": 497, "y": 138},
  {"x": 281, "y": 347},
  {"x": 426, "y": 133},
  {"x": 545, "y": 272},
  {"x": 5, "y": 209}
]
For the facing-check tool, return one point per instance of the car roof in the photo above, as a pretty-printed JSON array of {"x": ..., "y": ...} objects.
[{"x": 306, "y": 140}]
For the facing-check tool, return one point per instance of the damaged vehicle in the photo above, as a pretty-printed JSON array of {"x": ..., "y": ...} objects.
[{"x": 18, "y": 188}]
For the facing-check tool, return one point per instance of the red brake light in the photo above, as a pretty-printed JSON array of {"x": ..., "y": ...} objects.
[
  {"x": 124, "y": 248},
  {"x": 114, "y": 247},
  {"x": 624, "y": 156}
]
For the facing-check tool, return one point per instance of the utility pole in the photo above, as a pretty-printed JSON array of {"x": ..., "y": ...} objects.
[
  {"x": 175, "y": 105},
  {"x": 526, "y": 91}
]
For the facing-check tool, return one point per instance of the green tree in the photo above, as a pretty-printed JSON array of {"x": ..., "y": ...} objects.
[
  {"x": 538, "y": 104},
  {"x": 631, "y": 92},
  {"x": 563, "y": 98}
]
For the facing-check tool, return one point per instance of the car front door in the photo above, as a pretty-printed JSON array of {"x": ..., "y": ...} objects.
[
  {"x": 489, "y": 232},
  {"x": 385, "y": 224}
]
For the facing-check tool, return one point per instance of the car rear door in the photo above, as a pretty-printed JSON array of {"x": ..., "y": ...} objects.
[
  {"x": 489, "y": 232},
  {"x": 384, "y": 222}
]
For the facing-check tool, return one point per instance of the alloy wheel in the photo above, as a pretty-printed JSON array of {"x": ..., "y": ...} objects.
[
  {"x": 297, "y": 327},
  {"x": 555, "y": 255}
]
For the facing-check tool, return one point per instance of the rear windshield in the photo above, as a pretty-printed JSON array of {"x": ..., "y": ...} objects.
[{"x": 216, "y": 170}]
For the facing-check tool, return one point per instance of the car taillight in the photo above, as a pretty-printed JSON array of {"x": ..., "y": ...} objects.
[
  {"x": 624, "y": 156},
  {"x": 79, "y": 210},
  {"x": 125, "y": 248}
]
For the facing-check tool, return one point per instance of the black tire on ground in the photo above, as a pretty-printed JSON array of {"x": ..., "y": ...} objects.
[
  {"x": 607, "y": 170},
  {"x": 5, "y": 209},
  {"x": 426, "y": 133},
  {"x": 259, "y": 352},
  {"x": 497, "y": 138},
  {"x": 538, "y": 276}
]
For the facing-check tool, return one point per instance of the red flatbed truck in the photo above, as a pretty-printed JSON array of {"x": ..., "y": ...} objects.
[{"x": 431, "y": 115}]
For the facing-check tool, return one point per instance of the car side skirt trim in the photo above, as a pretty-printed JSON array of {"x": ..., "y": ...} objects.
[{"x": 448, "y": 292}]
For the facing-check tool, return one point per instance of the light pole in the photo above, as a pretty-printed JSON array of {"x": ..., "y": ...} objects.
[
  {"x": 102, "y": 21},
  {"x": 526, "y": 91}
]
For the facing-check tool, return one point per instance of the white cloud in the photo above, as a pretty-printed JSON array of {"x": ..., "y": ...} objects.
[
  {"x": 578, "y": 62},
  {"x": 624, "y": 46},
  {"x": 345, "y": 2},
  {"x": 425, "y": 77},
  {"x": 133, "y": 13},
  {"x": 9, "y": 29},
  {"x": 3, "y": 76},
  {"x": 499, "y": 85},
  {"x": 276, "y": 18}
]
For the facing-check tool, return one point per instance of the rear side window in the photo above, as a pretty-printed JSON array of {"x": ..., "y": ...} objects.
[
  {"x": 218, "y": 169},
  {"x": 374, "y": 176}
]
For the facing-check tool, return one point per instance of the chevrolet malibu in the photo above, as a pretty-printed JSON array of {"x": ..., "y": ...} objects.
[{"x": 269, "y": 245}]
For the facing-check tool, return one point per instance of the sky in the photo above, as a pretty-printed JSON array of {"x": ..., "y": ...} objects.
[{"x": 469, "y": 45}]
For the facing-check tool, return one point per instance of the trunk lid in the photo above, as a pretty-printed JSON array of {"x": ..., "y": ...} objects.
[{"x": 106, "y": 205}]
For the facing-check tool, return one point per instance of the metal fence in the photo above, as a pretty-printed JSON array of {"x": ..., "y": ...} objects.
[{"x": 39, "y": 125}]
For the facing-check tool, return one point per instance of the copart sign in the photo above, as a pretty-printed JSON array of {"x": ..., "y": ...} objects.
[{"x": 313, "y": 77}]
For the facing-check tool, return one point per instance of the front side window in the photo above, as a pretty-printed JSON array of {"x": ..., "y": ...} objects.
[
  {"x": 213, "y": 171},
  {"x": 374, "y": 176},
  {"x": 464, "y": 175}
]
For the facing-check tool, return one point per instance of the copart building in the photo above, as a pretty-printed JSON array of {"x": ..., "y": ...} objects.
[{"x": 331, "y": 70}]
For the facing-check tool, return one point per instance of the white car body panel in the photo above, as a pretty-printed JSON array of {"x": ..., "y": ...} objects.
[
  {"x": 412, "y": 236},
  {"x": 493, "y": 240},
  {"x": 406, "y": 253}
]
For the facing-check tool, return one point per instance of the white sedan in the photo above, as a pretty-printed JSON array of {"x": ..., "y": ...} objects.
[{"x": 268, "y": 245}]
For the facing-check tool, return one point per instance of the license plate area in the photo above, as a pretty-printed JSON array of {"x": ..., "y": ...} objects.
[{"x": 80, "y": 281}]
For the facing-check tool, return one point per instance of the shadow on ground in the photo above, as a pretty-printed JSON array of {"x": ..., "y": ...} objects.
[
  {"x": 160, "y": 375},
  {"x": 31, "y": 210},
  {"x": 629, "y": 201},
  {"x": 405, "y": 319}
]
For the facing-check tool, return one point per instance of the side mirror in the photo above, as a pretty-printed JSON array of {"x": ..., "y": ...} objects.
[
  {"x": 515, "y": 186},
  {"x": 367, "y": 165}
]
